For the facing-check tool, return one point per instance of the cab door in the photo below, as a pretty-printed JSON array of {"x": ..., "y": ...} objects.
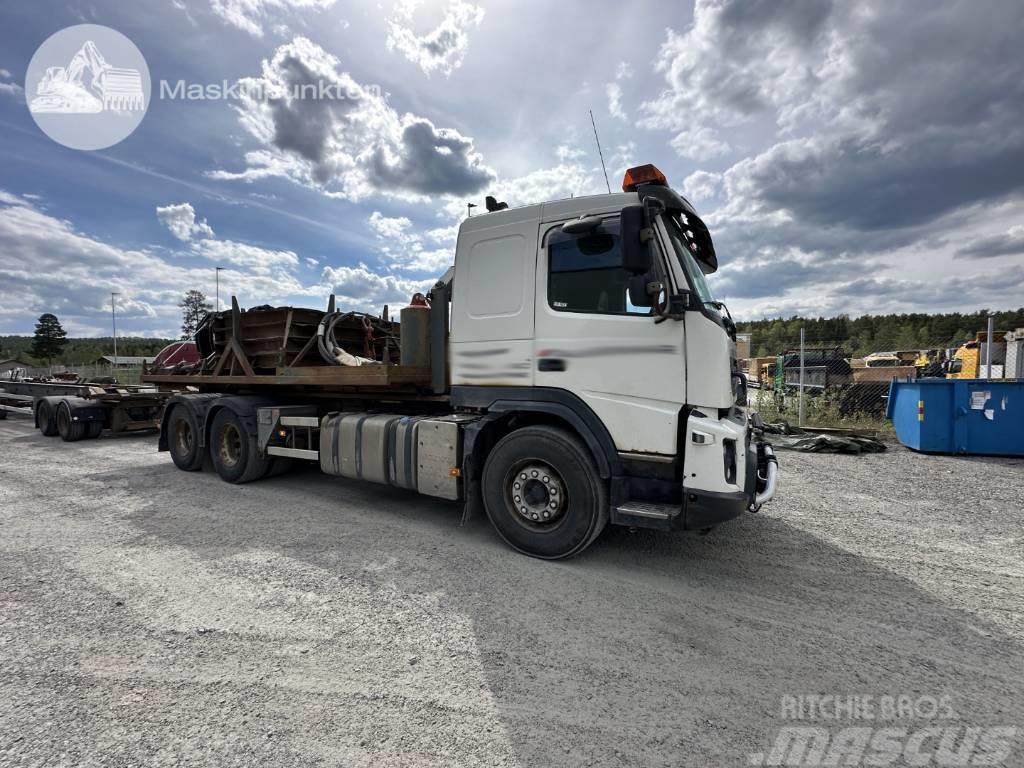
[{"x": 590, "y": 341}]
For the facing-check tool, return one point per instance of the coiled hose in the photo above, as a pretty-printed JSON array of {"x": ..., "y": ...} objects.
[{"x": 333, "y": 353}]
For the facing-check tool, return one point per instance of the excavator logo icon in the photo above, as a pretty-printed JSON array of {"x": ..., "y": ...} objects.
[
  {"x": 80, "y": 99},
  {"x": 64, "y": 89}
]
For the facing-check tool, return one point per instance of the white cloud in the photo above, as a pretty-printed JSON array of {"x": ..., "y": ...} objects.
[
  {"x": 614, "y": 90},
  {"x": 257, "y": 260},
  {"x": 180, "y": 219},
  {"x": 350, "y": 144},
  {"x": 250, "y": 15},
  {"x": 444, "y": 47},
  {"x": 406, "y": 250},
  {"x": 396, "y": 228},
  {"x": 566, "y": 153},
  {"x": 364, "y": 289},
  {"x": 701, "y": 185},
  {"x": 9, "y": 88},
  {"x": 736, "y": 60}
]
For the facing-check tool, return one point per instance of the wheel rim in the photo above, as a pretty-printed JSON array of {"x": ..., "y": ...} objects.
[
  {"x": 229, "y": 446},
  {"x": 536, "y": 494},
  {"x": 183, "y": 437}
]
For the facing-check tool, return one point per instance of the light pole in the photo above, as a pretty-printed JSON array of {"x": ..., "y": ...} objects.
[
  {"x": 217, "y": 271},
  {"x": 113, "y": 318}
]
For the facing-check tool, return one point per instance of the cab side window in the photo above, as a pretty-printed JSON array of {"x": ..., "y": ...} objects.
[{"x": 585, "y": 272}]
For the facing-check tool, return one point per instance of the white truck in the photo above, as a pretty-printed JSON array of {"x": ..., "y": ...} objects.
[{"x": 572, "y": 369}]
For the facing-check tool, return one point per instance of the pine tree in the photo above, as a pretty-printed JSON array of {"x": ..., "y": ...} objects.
[
  {"x": 194, "y": 308},
  {"x": 49, "y": 339}
]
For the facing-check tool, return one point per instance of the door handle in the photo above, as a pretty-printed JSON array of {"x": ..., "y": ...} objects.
[{"x": 551, "y": 364}]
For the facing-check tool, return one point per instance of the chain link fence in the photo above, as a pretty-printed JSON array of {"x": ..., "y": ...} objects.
[{"x": 831, "y": 383}]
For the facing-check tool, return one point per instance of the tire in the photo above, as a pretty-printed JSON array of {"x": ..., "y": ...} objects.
[
  {"x": 234, "y": 451},
  {"x": 70, "y": 431},
  {"x": 93, "y": 429},
  {"x": 183, "y": 440},
  {"x": 542, "y": 470},
  {"x": 44, "y": 417}
]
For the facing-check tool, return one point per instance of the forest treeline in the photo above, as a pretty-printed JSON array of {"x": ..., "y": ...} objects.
[
  {"x": 863, "y": 335},
  {"x": 81, "y": 351}
]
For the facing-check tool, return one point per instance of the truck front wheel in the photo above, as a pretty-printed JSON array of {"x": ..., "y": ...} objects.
[
  {"x": 543, "y": 493},
  {"x": 233, "y": 451},
  {"x": 183, "y": 439}
]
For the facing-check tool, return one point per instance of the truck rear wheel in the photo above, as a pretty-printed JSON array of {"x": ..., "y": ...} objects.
[
  {"x": 70, "y": 430},
  {"x": 233, "y": 451},
  {"x": 183, "y": 439},
  {"x": 44, "y": 417},
  {"x": 543, "y": 493}
]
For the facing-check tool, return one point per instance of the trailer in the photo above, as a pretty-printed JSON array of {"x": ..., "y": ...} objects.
[
  {"x": 571, "y": 370},
  {"x": 83, "y": 410}
]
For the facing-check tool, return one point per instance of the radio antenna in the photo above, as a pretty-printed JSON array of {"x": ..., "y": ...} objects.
[{"x": 599, "y": 152}]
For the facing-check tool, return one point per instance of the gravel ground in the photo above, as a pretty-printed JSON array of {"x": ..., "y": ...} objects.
[{"x": 149, "y": 617}]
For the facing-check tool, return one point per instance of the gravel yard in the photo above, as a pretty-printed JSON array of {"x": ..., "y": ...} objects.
[{"x": 152, "y": 617}]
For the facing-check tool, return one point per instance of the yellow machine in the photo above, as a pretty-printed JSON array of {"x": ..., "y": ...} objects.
[
  {"x": 882, "y": 360},
  {"x": 967, "y": 361}
]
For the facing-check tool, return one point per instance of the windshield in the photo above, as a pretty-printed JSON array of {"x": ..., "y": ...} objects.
[{"x": 676, "y": 224}]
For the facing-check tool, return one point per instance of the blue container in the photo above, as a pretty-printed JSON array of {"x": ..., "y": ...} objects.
[{"x": 979, "y": 416}]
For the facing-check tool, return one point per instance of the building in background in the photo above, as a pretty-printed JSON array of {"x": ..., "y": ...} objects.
[
  {"x": 124, "y": 361},
  {"x": 10, "y": 364},
  {"x": 743, "y": 346}
]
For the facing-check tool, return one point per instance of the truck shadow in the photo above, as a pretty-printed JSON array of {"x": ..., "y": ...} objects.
[{"x": 649, "y": 649}]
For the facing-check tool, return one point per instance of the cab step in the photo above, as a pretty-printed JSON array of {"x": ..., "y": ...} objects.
[{"x": 646, "y": 514}]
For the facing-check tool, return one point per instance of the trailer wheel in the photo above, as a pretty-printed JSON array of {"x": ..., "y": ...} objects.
[
  {"x": 70, "y": 430},
  {"x": 234, "y": 455},
  {"x": 183, "y": 440},
  {"x": 44, "y": 417},
  {"x": 93, "y": 429},
  {"x": 543, "y": 493}
]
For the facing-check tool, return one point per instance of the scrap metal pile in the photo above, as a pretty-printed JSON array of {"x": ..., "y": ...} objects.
[{"x": 263, "y": 340}]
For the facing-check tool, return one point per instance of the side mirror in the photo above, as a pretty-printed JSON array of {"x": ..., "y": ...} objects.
[{"x": 636, "y": 236}]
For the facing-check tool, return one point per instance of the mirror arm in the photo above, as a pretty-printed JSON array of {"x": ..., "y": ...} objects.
[{"x": 652, "y": 208}]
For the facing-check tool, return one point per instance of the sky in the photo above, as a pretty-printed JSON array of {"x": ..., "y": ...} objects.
[{"x": 848, "y": 157}]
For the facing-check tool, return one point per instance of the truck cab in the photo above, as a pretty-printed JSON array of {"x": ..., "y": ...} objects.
[{"x": 600, "y": 306}]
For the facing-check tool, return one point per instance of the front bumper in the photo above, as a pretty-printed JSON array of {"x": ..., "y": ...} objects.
[
  {"x": 706, "y": 509},
  {"x": 701, "y": 509}
]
